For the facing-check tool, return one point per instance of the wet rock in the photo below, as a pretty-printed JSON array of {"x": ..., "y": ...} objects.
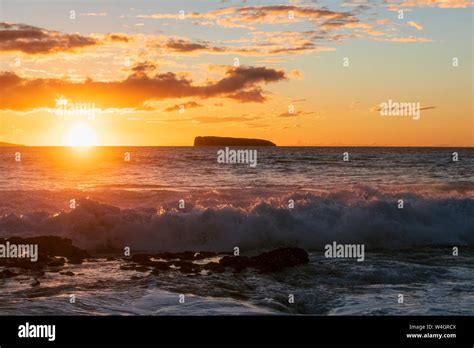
[
  {"x": 186, "y": 267},
  {"x": 68, "y": 273},
  {"x": 272, "y": 261},
  {"x": 137, "y": 268},
  {"x": 142, "y": 259},
  {"x": 36, "y": 283},
  {"x": 48, "y": 248},
  {"x": 56, "y": 262},
  {"x": 162, "y": 266},
  {"x": 75, "y": 260},
  {"x": 6, "y": 273},
  {"x": 239, "y": 263},
  {"x": 214, "y": 267},
  {"x": 142, "y": 269}
]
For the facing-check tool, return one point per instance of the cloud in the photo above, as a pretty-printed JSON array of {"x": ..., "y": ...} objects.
[
  {"x": 326, "y": 24},
  {"x": 383, "y": 21},
  {"x": 188, "y": 105},
  {"x": 240, "y": 16},
  {"x": 119, "y": 37},
  {"x": 33, "y": 40},
  {"x": 436, "y": 3},
  {"x": 240, "y": 83},
  {"x": 248, "y": 17},
  {"x": 93, "y": 14},
  {"x": 211, "y": 119},
  {"x": 270, "y": 46},
  {"x": 185, "y": 46},
  {"x": 415, "y": 25},
  {"x": 296, "y": 74},
  {"x": 255, "y": 95},
  {"x": 373, "y": 32},
  {"x": 408, "y": 39},
  {"x": 377, "y": 108},
  {"x": 143, "y": 68},
  {"x": 395, "y": 5},
  {"x": 295, "y": 114}
]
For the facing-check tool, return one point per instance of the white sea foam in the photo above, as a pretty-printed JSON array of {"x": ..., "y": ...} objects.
[{"x": 370, "y": 218}]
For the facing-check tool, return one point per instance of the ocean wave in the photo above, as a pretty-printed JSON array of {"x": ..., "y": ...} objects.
[{"x": 365, "y": 216}]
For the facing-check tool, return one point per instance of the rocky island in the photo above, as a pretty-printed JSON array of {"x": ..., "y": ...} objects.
[
  {"x": 225, "y": 141},
  {"x": 9, "y": 144}
]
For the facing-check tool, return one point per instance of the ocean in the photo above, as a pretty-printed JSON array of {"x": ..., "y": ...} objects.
[{"x": 409, "y": 207}]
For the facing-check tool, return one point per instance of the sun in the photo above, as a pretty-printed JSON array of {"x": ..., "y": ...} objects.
[{"x": 80, "y": 134}]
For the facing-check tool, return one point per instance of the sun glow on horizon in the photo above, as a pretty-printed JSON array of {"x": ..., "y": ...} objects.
[{"x": 80, "y": 134}]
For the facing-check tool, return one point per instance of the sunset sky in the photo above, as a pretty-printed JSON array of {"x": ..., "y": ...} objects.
[{"x": 156, "y": 78}]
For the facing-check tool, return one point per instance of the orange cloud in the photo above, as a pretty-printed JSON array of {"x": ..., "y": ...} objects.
[
  {"x": 415, "y": 25},
  {"x": 409, "y": 39},
  {"x": 264, "y": 48},
  {"x": 188, "y": 105},
  {"x": 240, "y": 83},
  {"x": 93, "y": 14},
  {"x": 241, "y": 16},
  {"x": 437, "y": 3}
]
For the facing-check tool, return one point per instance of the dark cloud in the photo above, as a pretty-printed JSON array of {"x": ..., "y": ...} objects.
[
  {"x": 295, "y": 114},
  {"x": 188, "y": 105},
  {"x": 119, "y": 37},
  {"x": 241, "y": 83},
  {"x": 143, "y": 68},
  {"x": 185, "y": 46},
  {"x": 33, "y": 40},
  {"x": 254, "y": 95}
]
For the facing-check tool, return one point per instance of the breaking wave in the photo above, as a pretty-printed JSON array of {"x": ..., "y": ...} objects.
[{"x": 371, "y": 218}]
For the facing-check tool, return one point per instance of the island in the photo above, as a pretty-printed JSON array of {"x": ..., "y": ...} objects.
[
  {"x": 225, "y": 141},
  {"x": 9, "y": 144}
]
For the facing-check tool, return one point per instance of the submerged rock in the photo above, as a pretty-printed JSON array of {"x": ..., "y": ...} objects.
[
  {"x": 272, "y": 261},
  {"x": 48, "y": 248},
  {"x": 68, "y": 273},
  {"x": 6, "y": 273}
]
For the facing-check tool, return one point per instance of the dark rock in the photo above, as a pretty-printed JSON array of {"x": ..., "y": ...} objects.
[
  {"x": 127, "y": 268},
  {"x": 162, "y": 266},
  {"x": 6, "y": 273},
  {"x": 75, "y": 260},
  {"x": 48, "y": 247},
  {"x": 272, "y": 261},
  {"x": 239, "y": 263},
  {"x": 142, "y": 259},
  {"x": 185, "y": 255},
  {"x": 68, "y": 273},
  {"x": 137, "y": 268},
  {"x": 186, "y": 267},
  {"x": 142, "y": 269},
  {"x": 214, "y": 267},
  {"x": 56, "y": 262}
]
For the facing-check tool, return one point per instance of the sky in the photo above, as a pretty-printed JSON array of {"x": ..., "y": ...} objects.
[{"x": 298, "y": 73}]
